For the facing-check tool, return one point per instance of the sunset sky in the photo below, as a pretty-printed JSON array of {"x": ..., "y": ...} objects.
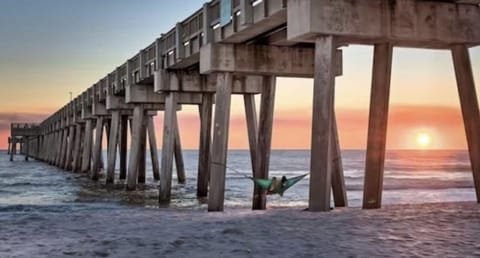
[{"x": 49, "y": 48}]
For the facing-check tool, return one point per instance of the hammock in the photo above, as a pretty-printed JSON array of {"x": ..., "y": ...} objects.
[
  {"x": 266, "y": 184},
  {"x": 279, "y": 187}
]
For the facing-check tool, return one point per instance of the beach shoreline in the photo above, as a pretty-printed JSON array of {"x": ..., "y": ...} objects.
[{"x": 436, "y": 229}]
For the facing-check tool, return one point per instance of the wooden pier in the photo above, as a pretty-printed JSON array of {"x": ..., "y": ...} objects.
[{"x": 240, "y": 47}]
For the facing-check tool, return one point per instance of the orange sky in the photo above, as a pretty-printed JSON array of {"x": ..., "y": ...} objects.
[{"x": 424, "y": 99}]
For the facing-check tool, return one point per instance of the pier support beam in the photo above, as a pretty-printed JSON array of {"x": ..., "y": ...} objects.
[
  {"x": 323, "y": 108},
  {"x": 143, "y": 152},
  {"x": 204, "y": 147},
  {"x": 97, "y": 149},
  {"x": 59, "y": 145},
  {"x": 179, "y": 165},
  {"x": 470, "y": 112},
  {"x": 67, "y": 165},
  {"x": 76, "y": 163},
  {"x": 152, "y": 139},
  {"x": 134, "y": 159},
  {"x": 252, "y": 128},
  {"x": 63, "y": 150},
  {"x": 338, "y": 180},
  {"x": 9, "y": 146},
  {"x": 169, "y": 127},
  {"x": 122, "y": 142},
  {"x": 377, "y": 126},
  {"x": 87, "y": 146},
  {"x": 27, "y": 148},
  {"x": 220, "y": 142},
  {"x": 264, "y": 140},
  {"x": 112, "y": 147},
  {"x": 14, "y": 149}
]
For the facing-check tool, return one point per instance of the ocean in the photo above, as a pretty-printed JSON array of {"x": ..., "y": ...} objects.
[{"x": 426, "y": 176}]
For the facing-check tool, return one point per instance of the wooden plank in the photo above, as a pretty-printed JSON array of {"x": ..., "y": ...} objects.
[
  {"x": 220, "y": 142},
  {"x": 323, "y": 106},
  {"x": 123, "y": 147},
  {"x": 252, "y": 128},
  {"x": 377, "y": 126},
  {"x": 112, "y": 147},
  {"x": 338, "y": 180},
  {"x": 168, "y": 147},
  {"x": 205, "y": 143},
  {"x": 152, "y": 139},
  {"x": 179, "y": 165},
  {"x": 470, "y": 112},
  {"x": 264, "y": 140},
  {"x": 87, "y": 147},
  {"x": 97, "y": 149},
  {"x": 134, "y": 159}
]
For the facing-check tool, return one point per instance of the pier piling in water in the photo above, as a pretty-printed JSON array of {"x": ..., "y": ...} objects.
[{"x": 214, "y": 54}]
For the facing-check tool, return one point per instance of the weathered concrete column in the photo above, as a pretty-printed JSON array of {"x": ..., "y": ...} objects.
[
  {"x": 152, "y": 139},
  {"x": 169, "y": 127},
  {"x": 264, "y": 140},
  {"x": 252, "y": 128},
  {"x": 179, "y": 165},
  {"x": 470, "y": 112},
  {"x": 338, "y": 180},
  {"x": 77, "y": 141},
  {"x": 112, "y": 147},
  {"x": 323, "y": 108},
  {"x": 123, "y": 147},
  {"x": 58, "y": 148},
  {"x": 67, "y": 165},
  {"x": 14, "y": 149},
  {"x": 87, "y": 146},
  {"x": 9, "y": 145},
  {"x": 63, "y": 151},
  {"x": 26, "y": 148},
  {"x": 142, "y": 164},
  {"x": 220, "y": 142},
  {"x": 377, "y": 127},
  {"x": 204, "y": 147},
  {"x": 51, "y": 149},
  {"x": 46, "y": 148},
  {"x": 97, "y": 149},
  {"x": 134, "y": 159},
  {"x": 37, "y": 149}
]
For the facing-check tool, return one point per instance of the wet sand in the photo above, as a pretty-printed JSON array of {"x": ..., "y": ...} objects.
[{"x": 434, "y": 230}]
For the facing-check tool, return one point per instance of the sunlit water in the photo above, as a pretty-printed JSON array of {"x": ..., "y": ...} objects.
[{"x": 410, "y": 177}]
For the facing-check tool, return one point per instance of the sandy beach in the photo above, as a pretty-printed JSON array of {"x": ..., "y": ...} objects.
[{"x": 434, "y": 230}]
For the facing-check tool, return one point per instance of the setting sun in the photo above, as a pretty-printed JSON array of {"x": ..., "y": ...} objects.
[{"x": 423, "y": 140}]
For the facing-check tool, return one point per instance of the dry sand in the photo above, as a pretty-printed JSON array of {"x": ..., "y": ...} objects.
[{"x": 436, "y": 230}]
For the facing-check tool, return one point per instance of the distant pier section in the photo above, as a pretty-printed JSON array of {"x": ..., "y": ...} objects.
[
  {"x": 240, "y": 47},
  {"x": 27, "y": 136}
]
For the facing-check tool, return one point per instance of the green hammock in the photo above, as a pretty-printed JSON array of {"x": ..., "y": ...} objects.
[{"x": 279, "y": 187}]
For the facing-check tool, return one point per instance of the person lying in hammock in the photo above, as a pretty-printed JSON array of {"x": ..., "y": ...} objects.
[{"x": 275, "y": 186}]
